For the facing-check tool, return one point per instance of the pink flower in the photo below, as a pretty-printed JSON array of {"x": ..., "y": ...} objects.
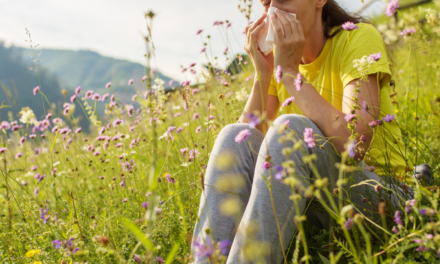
[
  {"x": 77, "y": 90},
  {"x": 210, "y": 117},
  {"x": 5, "y": 125},
  {"x": 105, "y": 96},
  {"x": 130, "y": 110},
  {"x": 177, "y": 114},
  {"x": 198, "y": 129},
  {"x": 108, "y": 85},
  {"x": 96, "y": 97},
  {"x": 194, "y": 91},
  {"x": 34, "y": 168},
  {"x": 278, "y": 74},
  {"x": 349, "y": 117},
  {"x": 32, "y": 136},
  {"x": 89, "y": 94},
  {"x": 96, "y": 153},
  {"x": 36, "y": 90},
  {"x": 2, "y": 150},
  {"x": 37, "y": 191},
  {"x": 349, "y": 26},
  {"x": 184, "y": 151},
  {"x": 112, "y": 98},
  {"x": 391, "y": 7},
  {"x": 124, "y": 200},
  {"x": 102, "y": 131},
  {"x": 66, "y": 111},
  {"x": 144, "y": 78},
  {"x": 134, "y": 97},
  {"x": 22, "y": 140},
  {"x": 73, "y": 98},
  {"x": 288, "y": 101},
  {"x": 130, "y": 82},
  {"x": 203, "y": 50},
  {"x": 49, "y": 116},
  {"x": 266, "y": 165},
  {"x": 226, "y": 50},
  {"x": 119, "y": 145},
  {"x": 179, "y": 130},
  {"x": 55, "y": 129},
  {"x": 378, "y": 188},
  {"x": 348, "y": 224},
  {"x": 372, "y": 123},
  {"x": 375, "y": 56},
  {"x": 78, "y": 130},
  {"x": 199, "y": 31},
  {"x": 298, "y": 81},
  {"x": 18, "y": 155},
  {"x": 193, "y": 153},
  {"x": 170, "y": 83},
  {"x": 196, "y": 116},
  {"x": 407, "y": 32},
  {"x": 117, "y": 122},
  {"x": 309, "y": 138},
  {"x": 242, "y": 136}
]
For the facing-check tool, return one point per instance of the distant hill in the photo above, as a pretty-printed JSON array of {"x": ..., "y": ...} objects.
[{"x": 89, "y": 69}]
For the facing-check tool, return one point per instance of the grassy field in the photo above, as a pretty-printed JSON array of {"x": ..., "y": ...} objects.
[{"x": 129, "y": 191}]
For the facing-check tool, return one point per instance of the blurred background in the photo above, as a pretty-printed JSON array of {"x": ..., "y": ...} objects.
[{"x": 91, "y": 42}]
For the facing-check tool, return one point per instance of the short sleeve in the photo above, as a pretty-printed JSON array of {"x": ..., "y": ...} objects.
[
  {"x": 364, "y": 41},
  {"x": 273, "y": 87}
]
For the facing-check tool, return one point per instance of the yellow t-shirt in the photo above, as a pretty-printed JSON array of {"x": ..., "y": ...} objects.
[{"x": 333, "y": 70}]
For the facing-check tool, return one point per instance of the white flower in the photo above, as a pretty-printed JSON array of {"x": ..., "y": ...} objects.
[
  {"x": 185, "y": 124},
  {"x": 185, "y": 164},
  {"x": 28, "y": 117},
  {"x": 363, "y": 66},
  {"x": 177, "y": 107}
]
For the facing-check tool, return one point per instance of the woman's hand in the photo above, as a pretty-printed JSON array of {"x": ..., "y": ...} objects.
[
  {"x": 263, "y": 65},
  {"x": 289, "y": 41}
]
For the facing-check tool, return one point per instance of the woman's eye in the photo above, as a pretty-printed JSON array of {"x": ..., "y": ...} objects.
[{"x": 266, "y": 4}]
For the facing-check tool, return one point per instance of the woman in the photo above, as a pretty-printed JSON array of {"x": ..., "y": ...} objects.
[{"x": 314, "y": 45}]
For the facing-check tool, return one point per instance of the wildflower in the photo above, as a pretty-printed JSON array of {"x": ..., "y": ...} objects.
[
  {"x": 119, "y": 145},
  {"x": 37, "y": 191},
  {"x": 104, "y": 97},
  {"x": 288, "y": 101},
  {"x": 153, "y": 72},
  {"x": 160, "y": 260},
  {"x": 66, "y": 111},
  {"x": 203, "y": 250},
  {"x": 242, "y": 136},
  {"x": 348, "y": 224},
  {"x": 77, "y": 90},
  {"x": 226, "y": 50},
  {"x": 225, "y": 246},
  {"x": 388, "y": 118},
  {"x": 184, "y": 151},
  {"x": 130, "y": 82},
  {"x": 5, "y": 125},
  {"x": 375, "y": 56},
  {"x": 137, "y": 258},
  {"x": 198, "y": 129},
  {"x": 254, "y": 120},
  {"x": 96, "y": 97},
  {"x": 371, "y": 168},
  {"x": 75, "y": 250},
  {"x": 349, "y": 117},
  {"x": 124, "y": 200},
  {"x": 18, "y": 155},
  {"x": 2, "y": 150},
  {"x": 112, "y": 98},
  {"x": 22, "y": 140},
  {"x": 193, "y": 153},
  {"x": 350, "y": 148},
  {"x": 144, "y": 78},
  {"x": 36, "y": 90},
  {"x": 422, "y": 212},
  {"x": 37, "y": 152},
  {"x": 266, "y": 165},
  {"x": 372, "y": 123},
  {"x": 41, "y": 178},
  {"x": 130, "y": 110},
  {"x": 391, "y": 7},
  {"x": 378, "y": 187},
  {"x": 278, "y": 73},
  {"x": 78, "y": 130},
  {"x": 117, "y": 122},
  {"x": 57, "y": 244},
  {"x": 89, "y": 94},
  {"x": 196, "y": 116},
  {"x": 279, "y": 169},
  {"x": 145, "y": 205},
  {"x": 309, "y": 138},
  {"x": 180, "y": 129},
  {"x": 134, "y": 97},
  {"x": 398, "y": 218},
  {"x": 34, "y": 168},
  {"x": 194, "y": 91},
  {"x": 349, "y": 26},
  {"x": 102, "y": 131},
  {"x": 395, "y": 230},
  {"x": 108, "y": 85},
  {"x": 32, "y": 253},
  {"x": 407, "y": 32},
  {"x": 203, "y": 50},
  {"x": 96, "y": 153},
  {"x": 298, "y": 81}
]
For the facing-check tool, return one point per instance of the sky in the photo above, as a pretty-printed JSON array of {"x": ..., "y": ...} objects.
[{"x": 115, "y": 28}]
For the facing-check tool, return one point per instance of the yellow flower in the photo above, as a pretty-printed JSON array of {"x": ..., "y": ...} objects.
[
  {"x": 32, "y": 253},
  {"x": 38, "y": 262}
]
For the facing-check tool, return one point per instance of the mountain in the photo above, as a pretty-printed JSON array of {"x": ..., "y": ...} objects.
[{"x": 89, "y": 69}]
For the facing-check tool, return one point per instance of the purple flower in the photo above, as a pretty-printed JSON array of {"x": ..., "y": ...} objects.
[
  {"x": 298, "y": 81},
  {"x": 104, "y": 96},
  {"x": 193, "y": 153},
  {"x": 117, "y": 122},
  {"x": 5, "y": 125},
  {"x": 198, "y": 129},
  {"x": 180, "y": 129},
  {"x": 349, "y": 26},
  {"x": 130, "y": 82},
  {"x": 398, "y": 217},
  {"x": 66, "y": 111},
  {"x": 137, "y": 258},
  {"x": 254, "y": 120},
  {"x": 160, "y": 260},
  {"x": 44, "y": 214},
  {"x": 391, "y": 7},
  {"x": 371, "y": 168},
  {"x": 348, "y": 224},
  {"x": 309, "y": 138},
  {"x": 73, "y": 98},
  {"x": 18, "y": 155},
  {"x": 77, "y": 90},
  {"x": 2, "y": 150},
  {"x": 184, "y": 151},
  {"x": 22, "y": 140},
  {"x": 288, "y": 101},
  {"x": 89, "y": 94},
  {"x": 96, "y": 153},
  {"x": 422, "y": 212},
  {"x": 145, "y": 205},
  {"x": 108, "y": 85},
  {"x": 195, "y": 116},
  {"x": 375, "y": 56},
  {"x": 242, "y": 136},
  {"x": 75, "y": 250},
  {"x": 203, "y": 250},
  {"x": 278, "y": 73},
  {"x": 78, "y": 130},
  {"x": 388, "y": 118},
  {"x": 57, "y": 244},
  {"x": 36, "y": 90},
  {"x": 350, "y": 149},
  {"x": 364, "y": 107},
  {"x": 124, "y": 200},
  {"x": 395, "y": 230},
  {"x": 378, "y": 187},
  {"x": 37, "y": 191},
  {"x": 225, "y": 246},
  {"x": 372, "y": 123},
  {"x": 407, "y": 32},
  {"x": 279, "y": 174},
  {"x": 266, "y": 165},
  {"x": 349, "y": 117}
]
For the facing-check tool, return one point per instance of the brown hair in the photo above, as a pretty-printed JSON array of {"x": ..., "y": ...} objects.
[{"x": 334, "y": 16}]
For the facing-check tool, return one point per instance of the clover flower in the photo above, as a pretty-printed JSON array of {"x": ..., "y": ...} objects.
[
  {"x": 398, "y": 217},
  {"x": 309, "y": 138},
  {"x": 160, "y": 260},
  {"x": 349, "y": 26},
  {"x": 391, "y": 7},
  {"x": 242, "y": 135},
  {"x": 288, "y": 101},
  {"x": 266, "y": 165},
  {"x": 278, "y": 73},
  {"x": 137, "y": 258}
]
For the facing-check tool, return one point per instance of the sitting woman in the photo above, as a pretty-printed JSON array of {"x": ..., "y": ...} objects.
[{"x": 322, "y": 96}]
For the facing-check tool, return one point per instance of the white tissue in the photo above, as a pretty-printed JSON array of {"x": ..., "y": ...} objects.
[{"x": 266, "y": 37}]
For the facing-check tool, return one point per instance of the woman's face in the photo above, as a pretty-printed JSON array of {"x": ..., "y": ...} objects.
[{"x": 305, "y": 10}]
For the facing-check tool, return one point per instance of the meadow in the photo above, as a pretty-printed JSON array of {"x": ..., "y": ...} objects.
[{"x": 129, "y": 191}]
